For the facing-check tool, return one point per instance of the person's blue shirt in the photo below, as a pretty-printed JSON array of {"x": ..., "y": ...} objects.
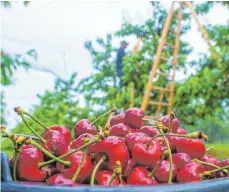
[{"x": 120, "y": 55}]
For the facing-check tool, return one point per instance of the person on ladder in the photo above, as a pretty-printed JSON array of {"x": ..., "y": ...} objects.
[{"x": 120, "y": 55}]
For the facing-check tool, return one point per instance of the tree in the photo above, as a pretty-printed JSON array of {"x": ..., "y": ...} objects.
[{"x": 197, "y": 99}]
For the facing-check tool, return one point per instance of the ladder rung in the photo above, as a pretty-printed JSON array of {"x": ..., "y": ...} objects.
[
  {"x": 158, "y": 103},
  {"x": 152, "y": 117},
  {"x": 169, "y": 45},
  {"x": 164, "y": 59},
  {"x": 163, "y": 74},
  {"x": 161, "y": 88}
]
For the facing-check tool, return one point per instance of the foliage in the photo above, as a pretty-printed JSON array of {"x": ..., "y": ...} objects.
[{"x": 220, "y": 150}]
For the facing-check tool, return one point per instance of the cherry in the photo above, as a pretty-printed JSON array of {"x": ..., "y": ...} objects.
[
  {"x": 56, "y": 144},
  {"x": 75, "y": 159},
  {"x": 59, "y": 179},
  {"x": 162, "y": 172},
  {"x": 139, "y": 176},
  {"x": 210, "y": 159},
  {"x": 134, "y": 138},
  {"x": 175, "y": 122},
  {"x": 114, "y": 148},
  {"x": 119, "y": 129},
  {"x": 190, "y": 172},
  {"x": 133, "y": 117},
  {"x": 84, "y": 126},
  {"x": 181, "y": 131},
  {"x": 78, "y": 142},
  {"x": 150, "y": 131},
  {"x": 132, "y": 130},
  {"x": 129, "y": 165},
  {"x": 224, "y": 163},
  {"x": 180, "y": 159},
  {"x": 64, "y": 131},
  {"x": 194, "y": 147},
  {"x": 117, "y": 119},
  {"x": 27, "y": 164},
  {"x": 173, "y": 142},
  {"x": 147, "y": 154},
  {"x": 103, "y": 178}
]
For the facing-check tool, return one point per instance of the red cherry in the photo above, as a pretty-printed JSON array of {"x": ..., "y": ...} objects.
[
  {"x": 84, "y": 126},
  {"x": 190, "y": 172},
  {"x": 150, "y": 131},
  {"x": 56, "y": 143},
  {"x": 103, "y": 178},
  {"x": 134, "y": 138},
  {"x": 173, "y": 142},
  {"x": 224, "y": 163},
  {"x": 78, "y": 142},
  {"x": 64, "y": 131},
  {"x": 27, "y": 164},
  {"x": 59, "y": 179},
  {"x": 175, "y": 122},
  {"x": 129, "y": 165},
  {"x": 147, "y": 155},
  {"x": 131, "y": 130},
  {"x": 119, "y": 129},
  {"x": 210, "y": 159},
  {"x": 181, "y": 131},
  {"x": 180, "y": 159},
  {"x": 117, "y": 119},
  {"x": 115, "y": 149},
  {"x": 75, "y": 160},
  {"x": 139, "y": 176},
  {"x": 133, "y": 117},
  {"x": 194, "y": 147},
  {"x": 162, "y": 172}
]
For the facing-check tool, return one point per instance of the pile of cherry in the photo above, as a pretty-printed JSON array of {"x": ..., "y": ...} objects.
[{"x": 130, "y": 151}]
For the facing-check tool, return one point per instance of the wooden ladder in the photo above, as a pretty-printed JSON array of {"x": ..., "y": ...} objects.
[
  {"x": 154, "y": 71},
  {"x": 170, "y": 90}
]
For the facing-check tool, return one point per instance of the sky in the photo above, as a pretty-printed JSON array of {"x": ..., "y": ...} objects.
[{"x": 58, "y": 30}]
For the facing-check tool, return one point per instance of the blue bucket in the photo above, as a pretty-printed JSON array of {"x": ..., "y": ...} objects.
[{"x": 8, "y": 185}]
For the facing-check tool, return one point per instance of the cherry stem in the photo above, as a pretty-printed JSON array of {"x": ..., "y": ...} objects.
[
  {"x": 151, "y": 174},
  {"x": 92, "y": 181},
  {"x": 170, "y": 157},
  {"x": 108, "y": 112},
  {"x": 218, "y": 169},
  {"x": 26, "y": 113},
  {"x": 80, "y": 166},
  {"x": 112, "y": 178},
  {"x": 210, "y": 148},
  {"x": 15, "y": 159},
  {"x": 34, "y": 143},
  {"x": 209, "y": 164},
  {"x": 69, "y": 153},
  {"x": 151, "y": 121},
  {"x": 31, "y": 129}
]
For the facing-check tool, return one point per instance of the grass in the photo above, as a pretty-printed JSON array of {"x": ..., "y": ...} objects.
[{"x": 220, "y": 150}]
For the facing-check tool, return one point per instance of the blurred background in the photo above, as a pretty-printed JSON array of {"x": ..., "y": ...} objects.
[{"x": 58, "y": 63}]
